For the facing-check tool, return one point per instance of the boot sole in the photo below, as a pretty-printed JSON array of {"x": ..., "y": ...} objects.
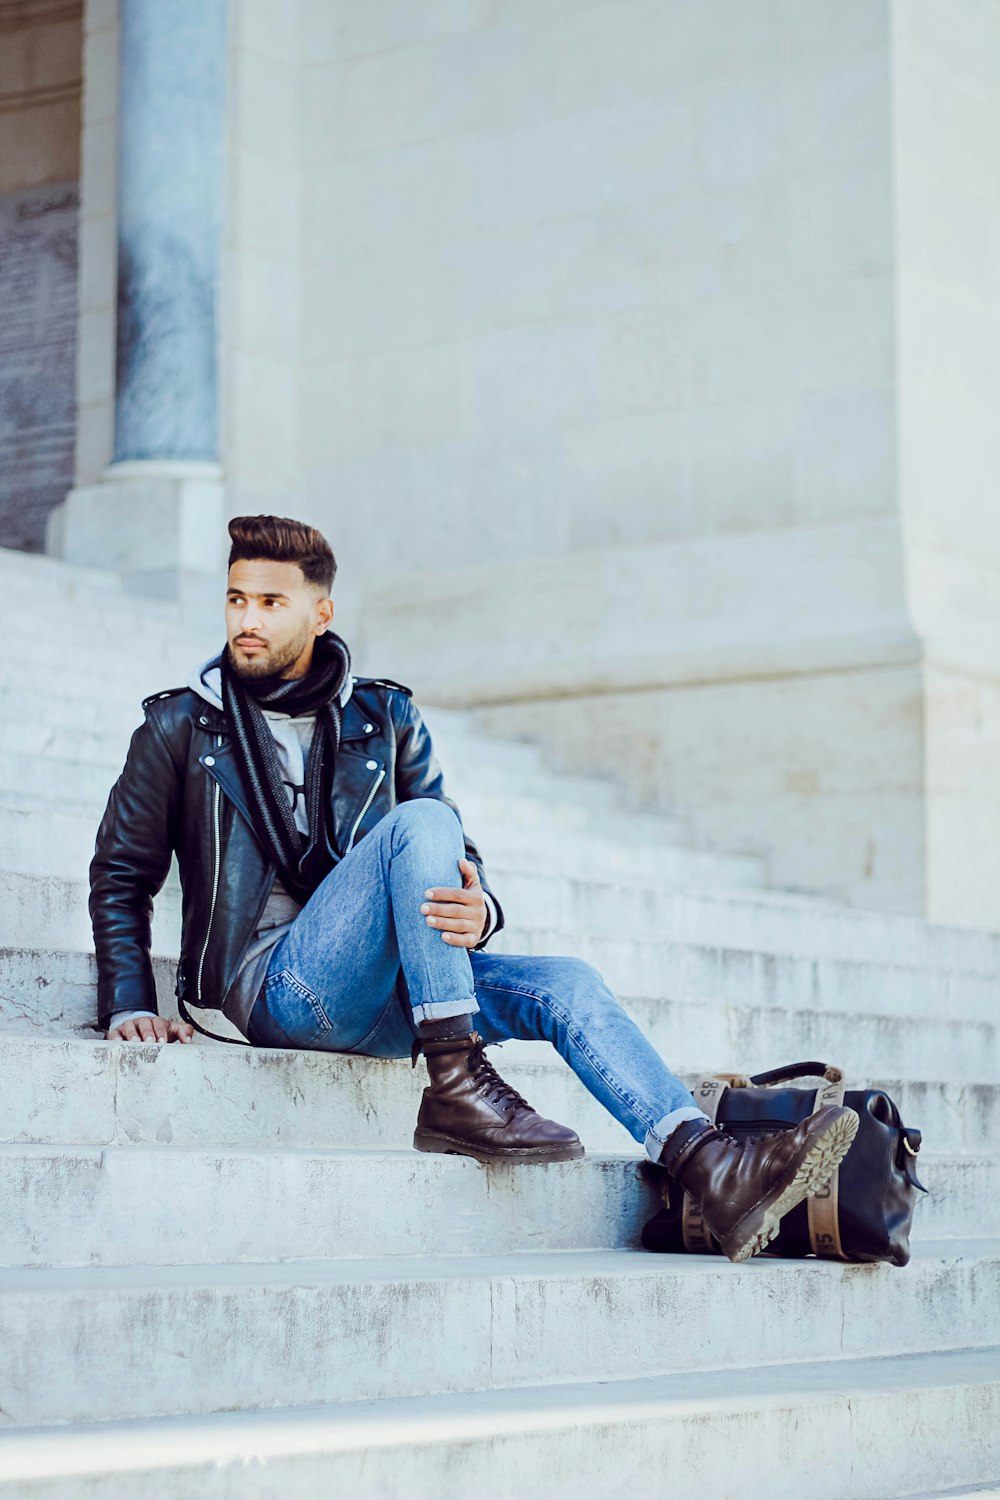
[
  {"x": 446, "y": 1145},
  {"x": 823, "y": 1156}
]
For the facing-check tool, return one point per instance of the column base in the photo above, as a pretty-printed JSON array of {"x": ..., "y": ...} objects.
[{"x": 160, "y": 525}]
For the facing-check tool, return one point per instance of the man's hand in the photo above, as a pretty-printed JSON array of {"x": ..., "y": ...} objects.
[
  {"x": 460, "y": 914},
  {"x": 152, "y": 1029}
]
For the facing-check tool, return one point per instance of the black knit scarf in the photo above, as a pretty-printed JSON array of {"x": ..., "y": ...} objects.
[{"x": 302, "y": 861}]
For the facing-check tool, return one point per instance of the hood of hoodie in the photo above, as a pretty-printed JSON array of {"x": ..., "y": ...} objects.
[{"x": 206, "y": 681}]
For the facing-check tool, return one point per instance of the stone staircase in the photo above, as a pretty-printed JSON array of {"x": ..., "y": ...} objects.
[{"x": 225, "y": 1273}]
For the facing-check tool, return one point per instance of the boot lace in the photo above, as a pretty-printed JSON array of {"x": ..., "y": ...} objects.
[{"x": 488, "y": 1080}]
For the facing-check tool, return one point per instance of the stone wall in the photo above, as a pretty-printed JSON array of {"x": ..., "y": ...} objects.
[
  {"x": 38, "y": 252},
  {"x": 40, "y": 72},
  {"x": 577, "y": 275},
  {"x": 261, "y": 293}
]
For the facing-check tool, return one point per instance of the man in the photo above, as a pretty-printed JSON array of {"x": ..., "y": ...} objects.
[{"x": 332, "y": 900}]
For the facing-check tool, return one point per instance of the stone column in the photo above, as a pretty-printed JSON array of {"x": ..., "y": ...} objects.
[{"x": 157, "y": 512}]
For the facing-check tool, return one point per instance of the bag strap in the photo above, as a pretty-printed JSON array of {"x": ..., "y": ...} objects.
[
  {"x": 796, "y": 1070},
  {"x": 708, "y": 1092},
  {"x": 823, "y": 1208}
]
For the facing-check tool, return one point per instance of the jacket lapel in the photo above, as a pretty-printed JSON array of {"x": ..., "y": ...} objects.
[{"x": 220, "y": 763}]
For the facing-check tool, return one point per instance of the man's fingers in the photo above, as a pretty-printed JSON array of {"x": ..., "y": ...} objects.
[
  {"x": 442, "y": 899},
  {"x": 452, "y": 924},
  {"x": 152, "y": 1029},
  {"x": 460, "y": 915}
]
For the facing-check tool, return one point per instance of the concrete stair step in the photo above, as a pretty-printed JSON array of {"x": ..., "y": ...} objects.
[
  {"x": 64, "y": 748},
  {"x": 66, "y": 601},
  {"x": 606, "y": 917},
  {"x": 55, "y": 991},
  {"x": 36, "y": 731},
  {"x": 71, "y": 1205},
  {"x": 211, "y": 1096},
  {"x": 78, "y": 1344},
  {"x": 42, "y": 836},
  {"x": 868, "y": 1429},
  {"x": 78, "y": 651},
  {"x": 38, "y": 570},
  {"x": 42, "y": 582},
  {"x": 99, "y": 711},
  {"x": 53, "y": 723},
  {"x": 141, "y": 1093},
  {"x": 86, "y": 786},
  {"x": 76, "y": 1205},
  {"x": 977, "y": 1492},
  {"x": 694, "y": 1033},
  {"x": 50, "y": 980}
]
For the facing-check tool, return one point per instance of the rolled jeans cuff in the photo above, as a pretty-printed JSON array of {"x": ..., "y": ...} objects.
[
  {"x": 440, "y": 1010},
  {"x": 657, "y": 1134}
]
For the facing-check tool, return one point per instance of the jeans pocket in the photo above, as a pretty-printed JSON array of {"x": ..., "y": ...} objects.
[{"x": 290, "y": 1007}]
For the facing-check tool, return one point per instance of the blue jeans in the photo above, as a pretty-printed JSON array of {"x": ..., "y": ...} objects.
[{"x": 360, "y": 967}]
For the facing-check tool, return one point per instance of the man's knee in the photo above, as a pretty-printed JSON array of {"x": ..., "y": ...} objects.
[
  {"x": 582, "y": 975},
  {"x": 430, "y": 811},
  {"x": 427, "y": 822}
]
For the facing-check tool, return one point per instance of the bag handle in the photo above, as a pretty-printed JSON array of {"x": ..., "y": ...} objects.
[{"x": 799, "y": 1070}]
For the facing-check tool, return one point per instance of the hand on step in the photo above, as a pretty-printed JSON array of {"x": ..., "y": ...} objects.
[{"x": 152, "y": 1029}]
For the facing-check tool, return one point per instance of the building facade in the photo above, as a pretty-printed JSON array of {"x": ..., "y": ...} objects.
[{"x": 640, "y": 360}]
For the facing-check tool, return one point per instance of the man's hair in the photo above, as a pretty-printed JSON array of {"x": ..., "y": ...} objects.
[{"x": 280, "y": 539}]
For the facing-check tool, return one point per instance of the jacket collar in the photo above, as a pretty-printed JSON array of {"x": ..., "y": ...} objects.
[
  {"x": 206, "y": 681},
  {"x": 220, "y": 761}
]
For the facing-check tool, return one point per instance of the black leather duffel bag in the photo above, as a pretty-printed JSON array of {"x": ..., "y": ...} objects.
[{"x": 865, "y": 1211}]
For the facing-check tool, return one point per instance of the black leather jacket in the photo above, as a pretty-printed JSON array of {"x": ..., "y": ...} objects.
[{"x": 181, "y": 791}]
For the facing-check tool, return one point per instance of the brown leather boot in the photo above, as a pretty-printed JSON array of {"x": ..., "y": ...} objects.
[
  {"x": 468, "y": 1110},
  {"x": 743, "y": 1187}
]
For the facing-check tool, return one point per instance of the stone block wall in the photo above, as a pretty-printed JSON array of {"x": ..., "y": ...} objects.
[
  {"x": 40, "y": 86},
  {"x": 593, "y": 275},
  {"x": 262, "y": 305},
  {"x": 95, "y": 383}
]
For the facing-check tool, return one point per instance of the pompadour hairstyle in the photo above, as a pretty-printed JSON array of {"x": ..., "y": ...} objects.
[{"x": 280, "y": 539}]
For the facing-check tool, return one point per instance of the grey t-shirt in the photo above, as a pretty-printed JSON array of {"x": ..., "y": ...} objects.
[
  {"x": 278, "y": 915},
  {"x": 293, "y": 737}
]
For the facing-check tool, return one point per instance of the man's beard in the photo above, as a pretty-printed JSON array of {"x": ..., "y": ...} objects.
[{"x": 267, "y": 669}]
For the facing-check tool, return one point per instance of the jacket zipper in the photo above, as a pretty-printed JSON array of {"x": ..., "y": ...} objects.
[
  {"x": 217, "y": 840},
  {"x": 368, "y": 802}
]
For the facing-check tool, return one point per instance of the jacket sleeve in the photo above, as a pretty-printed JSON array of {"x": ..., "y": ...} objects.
[
  {"x": 131, "y": 861},
  {"x": 419, "y": 774}
]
